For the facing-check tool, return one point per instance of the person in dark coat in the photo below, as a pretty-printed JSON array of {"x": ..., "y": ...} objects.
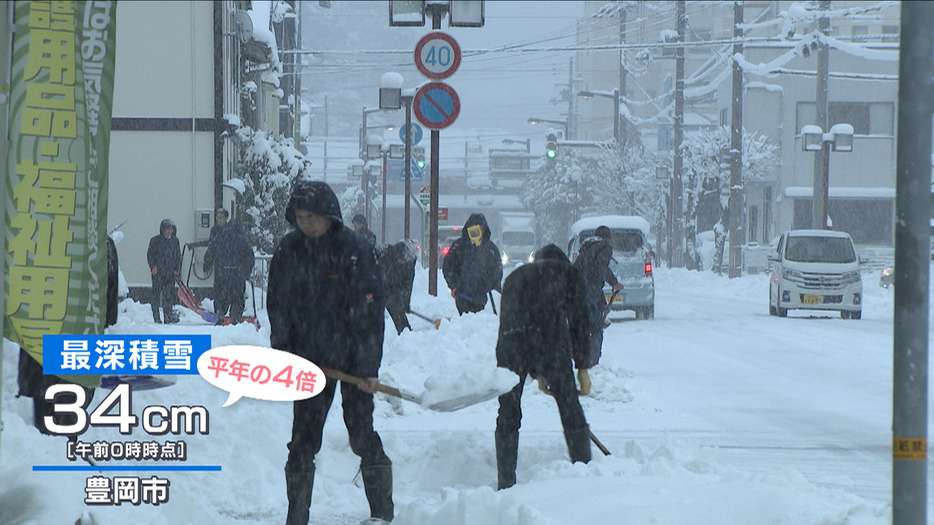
[
  {"x": 221, "y": 216},
  {"x": 473, "y": 266},
  {"x": 231, "y": 258},
  {"x": 397, "y": 266},
  {"x": 360, "y": 226},
  {"x": 543, "y": 330},
  {"x": 165, "y": 261},
  {"x": 113, "y": 282},
  {"x": 593, "y": 261},
  {"x": 325, "y": 304},
  {"x": 32, "y": 381}
]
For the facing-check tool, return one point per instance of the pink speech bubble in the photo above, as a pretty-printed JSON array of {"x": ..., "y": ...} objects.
[{"x": 260, "y": 373}]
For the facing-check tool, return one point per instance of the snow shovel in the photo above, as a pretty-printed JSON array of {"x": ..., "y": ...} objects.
[
  {"x": 436, "y": 322},
  {"x": 609, "y": 304},
  {"x": 442, "y": 405}
]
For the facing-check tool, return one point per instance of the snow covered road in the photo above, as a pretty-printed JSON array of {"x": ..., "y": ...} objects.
[{"x": 715, "y": 413}]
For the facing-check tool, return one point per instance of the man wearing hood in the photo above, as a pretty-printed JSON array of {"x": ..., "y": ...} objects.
[
  {"x": 232, "y": 259},
  {"x": 325, "y": 304},
  {"x": 543, "y": 330},
  {"x": 360, "y": 226},
  {"x": 165, "y": 261},
  {"x": 593, "y": 261},
  {"x": 473, "y": 266}
]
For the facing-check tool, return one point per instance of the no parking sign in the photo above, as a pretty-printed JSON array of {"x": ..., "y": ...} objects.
[{"x": 436, "y": 105}]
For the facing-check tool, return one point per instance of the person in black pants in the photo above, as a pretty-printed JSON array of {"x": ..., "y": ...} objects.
[
  {"x": 593, "y": 262},
  {"x": 231, "y": 257},
  {"x": 165, "y": 261},
  {"x": 397, "y": 266},
  {"x": 325, "y": 304},
  {"x": 543, "y": 330}
]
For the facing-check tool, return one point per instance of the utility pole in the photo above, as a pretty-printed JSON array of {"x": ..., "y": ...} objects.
[
  {"x": 571, "y": 91},
  {"x": 821, "y": 162},
  {"x": 677, "y": 215},
  {"x": 912, "y": 245},
  {"x": 434, "y": 184},
  {"x": 407, "y": 100},
  {"x": 737, "y": 237},
  {"x": 621, "y": 126}
]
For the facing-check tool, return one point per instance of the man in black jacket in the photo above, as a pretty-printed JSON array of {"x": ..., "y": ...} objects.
[
  {"x": 220, "y": 221},
  {"x": 325, "y": 304},
  {"x": 360, "y": 226},
  {"x": 594, "y": 263},
  {"x": 232, "y": 259},
  {"x": 543, "y": 327},
  {"x": 473, "y": 266},
  {"x": 165, "y": 261}
]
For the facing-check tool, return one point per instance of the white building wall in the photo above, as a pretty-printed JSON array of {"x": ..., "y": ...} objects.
[{"x": 164, "y": 69}]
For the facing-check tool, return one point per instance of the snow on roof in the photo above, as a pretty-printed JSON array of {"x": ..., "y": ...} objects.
[
  {"x": 836, "y": 191},
  {"x": 817, "y": 233},
  {"x": 630, "y": 222}
]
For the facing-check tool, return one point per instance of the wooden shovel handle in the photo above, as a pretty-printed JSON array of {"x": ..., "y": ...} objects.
[{"x": 340, "y": 376}]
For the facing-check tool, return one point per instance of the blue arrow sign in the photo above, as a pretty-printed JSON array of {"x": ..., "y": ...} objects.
[{"x": 416, "y": 133}]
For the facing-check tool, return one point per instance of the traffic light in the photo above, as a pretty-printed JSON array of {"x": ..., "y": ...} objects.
[
  {"x": 551, "y": 146},
  {"x": 419, "y": 153}
]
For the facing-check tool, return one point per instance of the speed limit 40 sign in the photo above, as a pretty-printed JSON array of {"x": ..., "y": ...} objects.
[{"x": 437, "y": 55}]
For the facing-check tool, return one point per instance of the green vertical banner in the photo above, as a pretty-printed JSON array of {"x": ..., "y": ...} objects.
[{"x": 57, "y": 171}]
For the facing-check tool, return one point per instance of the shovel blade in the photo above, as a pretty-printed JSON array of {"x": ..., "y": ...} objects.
[{"x": 463, "y": 401}]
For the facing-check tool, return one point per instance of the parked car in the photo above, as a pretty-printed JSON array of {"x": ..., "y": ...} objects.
[
  {"x": 815, "y": 270},
  {"x": 631, "y": 264}
]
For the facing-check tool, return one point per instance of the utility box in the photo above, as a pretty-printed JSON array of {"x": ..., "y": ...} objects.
[
  {"x": 203, "y": 222},
  {"x": 755, "y": 257}
]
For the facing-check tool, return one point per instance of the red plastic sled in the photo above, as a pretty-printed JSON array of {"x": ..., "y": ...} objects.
[{"x": 188, "y": 298}]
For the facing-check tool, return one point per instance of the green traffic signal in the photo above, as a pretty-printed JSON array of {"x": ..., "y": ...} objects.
[
  {"x": 551, "y": 153},
  {"x": 421, "y": 164}
]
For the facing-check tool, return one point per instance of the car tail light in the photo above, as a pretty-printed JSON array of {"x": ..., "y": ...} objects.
[
  {"x": 648, "y": 269},
  {"x": 445, "y": 250}
]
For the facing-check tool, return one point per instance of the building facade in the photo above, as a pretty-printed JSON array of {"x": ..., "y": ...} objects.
[{"x": 862, "y": 91}]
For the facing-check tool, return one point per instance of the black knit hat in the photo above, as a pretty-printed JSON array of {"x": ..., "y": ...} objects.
[
  {"x": 603, "y": 232},
  {"x": 550, "y": 252},
  {"x": 359, "y": 219},
  {"x": 316, "y": 197}
]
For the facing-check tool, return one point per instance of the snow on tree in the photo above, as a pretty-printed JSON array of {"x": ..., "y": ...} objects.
[
  {"x": 267, "y": 168},
  {"x": 610, "y": 179},
  {"x": 557, "y": 192},
  {"x": 706, "y": 157}
]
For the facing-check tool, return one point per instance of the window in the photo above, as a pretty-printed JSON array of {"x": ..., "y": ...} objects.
[
  {"x": 867, "y": 118},
  {"x": 859, "y": 30},
  {"x": 890, "y": 30},
  {"x": 820, "y": 249},
  {"x": 868, "y": 221}
]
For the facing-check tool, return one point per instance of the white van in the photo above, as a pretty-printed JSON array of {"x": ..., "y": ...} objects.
[{"x": 815, "y": 270}]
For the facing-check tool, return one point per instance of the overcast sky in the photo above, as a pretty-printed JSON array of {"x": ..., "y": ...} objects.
[{"x": 496, "y": 90}]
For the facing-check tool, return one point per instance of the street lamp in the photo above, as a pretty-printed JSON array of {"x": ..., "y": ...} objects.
[
  {"x": 614, "y": 96},
  {"x": 813, "y": 138},
  {"x": 527, "y": 142},
  {"x": 362, "y": 135},
  {"x": 564, "y": 123}
]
